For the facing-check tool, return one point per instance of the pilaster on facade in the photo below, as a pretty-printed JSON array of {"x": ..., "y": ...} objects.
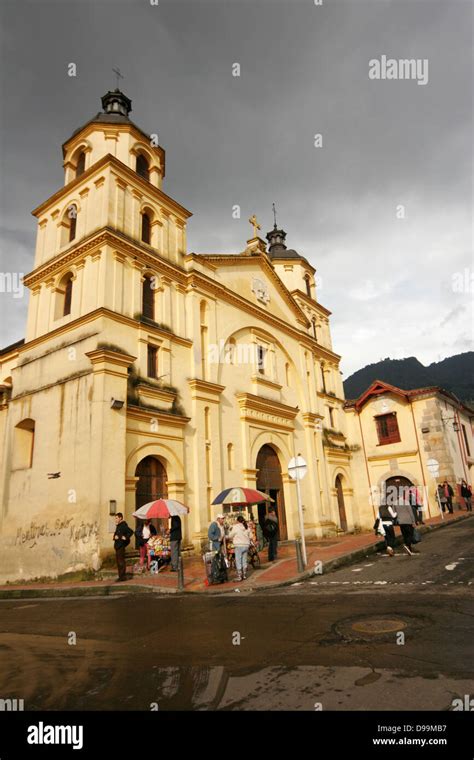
[
  {"x": 204, "y": 390},
  {"x": 105, "y": 361}
]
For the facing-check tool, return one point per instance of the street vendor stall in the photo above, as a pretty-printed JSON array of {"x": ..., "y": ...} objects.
[
  {"x": 159, "y": 547},
  {"x": 228, "y": 548},
  {"x": 159, "y": 552},
  {"x": 238, "y": 501}
]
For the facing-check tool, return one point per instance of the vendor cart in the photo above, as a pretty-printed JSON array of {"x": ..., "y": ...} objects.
[
  {"x": 253, "y": 555},
  {"x": 159, "y": 553}
]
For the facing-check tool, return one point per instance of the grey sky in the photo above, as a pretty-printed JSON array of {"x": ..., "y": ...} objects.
[{"x": 250, "y": 141}]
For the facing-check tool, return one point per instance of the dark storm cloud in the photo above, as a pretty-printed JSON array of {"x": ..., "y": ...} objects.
[{"x": 249, "y": 140}]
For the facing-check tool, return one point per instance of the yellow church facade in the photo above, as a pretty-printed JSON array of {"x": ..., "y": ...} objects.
[{"x": 148, "y": 371}]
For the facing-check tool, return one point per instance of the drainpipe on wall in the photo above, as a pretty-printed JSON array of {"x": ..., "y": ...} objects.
[
  {"x": 421, "y": 461},
  {"x": 366, "y": 465},
  {"x": 461, "y": 445}
]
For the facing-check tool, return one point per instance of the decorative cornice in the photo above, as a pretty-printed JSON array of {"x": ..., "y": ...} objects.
[
  {"x": 262, "y": 380},
  {"x": 392, "y": 455},
  {"x": 94, "y": 126},
  {"x": 105, "y": 236},
  {"x": 134, "y": 179},
  {"x": 97, "y": 314},
  {"x": 311, "y": 302},
  {"x": 160, "y": 394},
  {"x": 328, "y": 396},
  {"x": 205, "y": 390},
  {"x": 311, "y": 418},
  {"x": 102, "y": 356},
  {"x": 259, "y": 403},
  {"x": 174, "y": 420}
]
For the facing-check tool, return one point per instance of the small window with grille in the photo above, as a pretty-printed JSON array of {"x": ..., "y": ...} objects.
[{"x": 387, "y": 428}]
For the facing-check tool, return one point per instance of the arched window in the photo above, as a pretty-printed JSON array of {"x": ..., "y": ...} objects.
[
  {"x": 231, "y": 350},
  {"x": 72, "y": 216},
  {"x": 81, "y": 164},
  {"x": 148, "y": 298},
  {"x": 308, "y": 284},
  {"x": 142, "y": 166},
  {"x": 315, "y": 333},
  {"x": 23, "y": 444},
  {"x": 64, "y": 296},
  {"x": 67, "y": 295},
  {"x": 152, "y": 361},
  {"x": 331, "y": 416},
  {"x": 146, "y": 228},
  {"x": 230, "y": 456},
  {"x": 323, "y": 378},
  {"x": 261, "y": 357}
]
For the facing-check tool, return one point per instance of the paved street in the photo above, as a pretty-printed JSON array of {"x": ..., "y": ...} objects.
[{"x": 333, "y": 642}]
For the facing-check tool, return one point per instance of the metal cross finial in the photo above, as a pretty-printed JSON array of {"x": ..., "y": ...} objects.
[
  {"x": 274, "y": 216},
  {"x": 118, "y": 74},
  {"x": 255, "y": 225}
]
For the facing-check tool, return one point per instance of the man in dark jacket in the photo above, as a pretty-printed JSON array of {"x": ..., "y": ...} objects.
[
  {"x": 270, "y": 531},
  {"x": 176, "y": 536},
  {"x": 449, "y": 493},
  {"x": 121, "y": 541}
]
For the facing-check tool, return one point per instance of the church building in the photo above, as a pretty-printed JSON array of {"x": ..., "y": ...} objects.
[{"x": 148, "y": 371}]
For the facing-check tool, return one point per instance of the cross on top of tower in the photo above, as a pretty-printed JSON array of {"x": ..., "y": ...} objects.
[
  {"x": 255, "y": 225},
  {"x": 118, "y": 75}
]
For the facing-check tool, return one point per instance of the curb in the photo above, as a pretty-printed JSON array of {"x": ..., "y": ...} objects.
[
  {"x": 111, "y": 590},
  {"x": 337, "y": 562}
]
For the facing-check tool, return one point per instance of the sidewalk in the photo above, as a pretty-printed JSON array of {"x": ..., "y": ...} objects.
[{"x": 332, "y": 552}]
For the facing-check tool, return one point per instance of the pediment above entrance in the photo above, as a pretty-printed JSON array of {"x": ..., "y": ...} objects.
[{"x": 265, "y": 411}]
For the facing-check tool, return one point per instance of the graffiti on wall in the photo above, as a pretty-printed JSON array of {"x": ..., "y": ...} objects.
[{"x": 35, "y": 533}]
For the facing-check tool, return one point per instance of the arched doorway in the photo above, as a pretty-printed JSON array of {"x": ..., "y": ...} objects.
[
  {"x": 151, "y": 485},
  {"x": 269, "y": 481},
  {"x": 395, "y": 490},
  {"x": 340, "y": 503}
]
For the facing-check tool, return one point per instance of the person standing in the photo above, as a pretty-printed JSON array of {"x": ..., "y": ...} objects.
[
  {"x": 176, "y": 536},
  {"x": 270, "y": 531},
  {"x": 240, "y": 536},
  {"x": 121, "y": 541},
  {"x": 466, "y": 493},
  {"x": 442, "y": 498},
  {"x": 216, "y": 533},
  {"x": 416, "y": 502},
  {"x": 405, "y": 520},
  {"x": 448, "y": 493},
  {"x": 387, "y": 517},
  {"x": 143, "y": 534}
]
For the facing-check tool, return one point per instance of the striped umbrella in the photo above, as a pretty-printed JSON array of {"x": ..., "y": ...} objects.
[
  {"x": 161, "y": 508},
  {"x": 241, "y": 497}
]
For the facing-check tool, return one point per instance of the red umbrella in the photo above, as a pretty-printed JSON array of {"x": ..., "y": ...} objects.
[
  {"x": 161, "y": 508},
  {"x": 241, "y": 497}
]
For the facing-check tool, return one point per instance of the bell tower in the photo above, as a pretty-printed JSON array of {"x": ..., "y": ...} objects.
[{"x": 110, "y": 212}]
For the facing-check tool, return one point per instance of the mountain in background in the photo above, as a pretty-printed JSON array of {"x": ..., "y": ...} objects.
[{"x": 455, "y": 374}]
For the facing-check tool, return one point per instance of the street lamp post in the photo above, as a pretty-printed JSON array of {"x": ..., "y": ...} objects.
[{"x": 297, "y": 469}]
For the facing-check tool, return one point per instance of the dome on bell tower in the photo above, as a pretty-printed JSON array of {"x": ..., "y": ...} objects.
[{"x": 115, "y": 102}]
